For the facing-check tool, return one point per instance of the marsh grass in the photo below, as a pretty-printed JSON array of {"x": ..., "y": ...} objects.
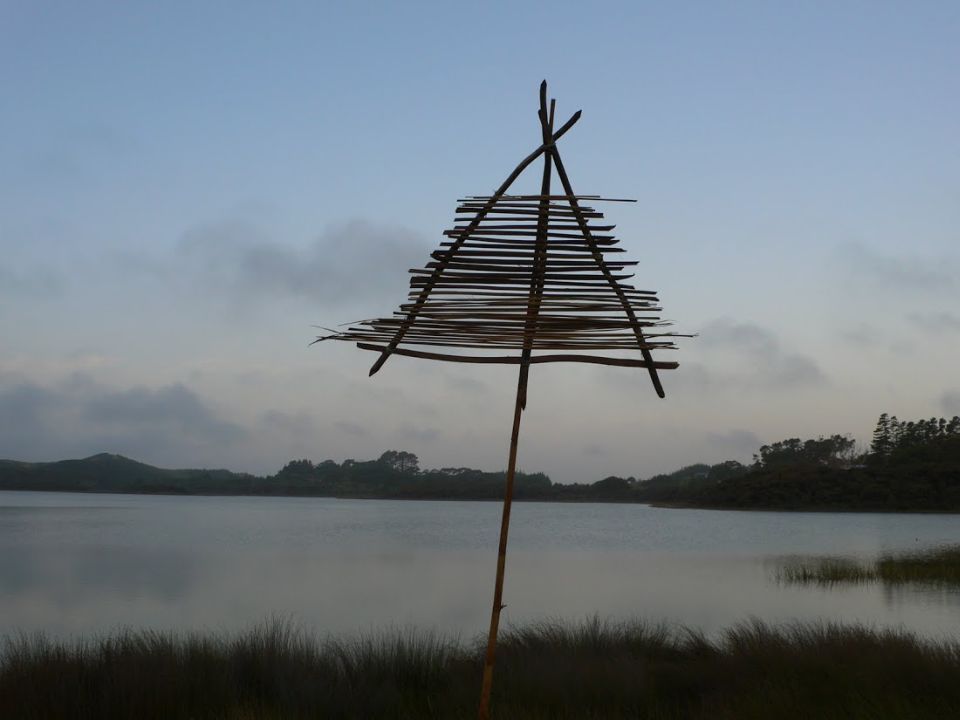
[
  {"x": 939, "y": 567},
  {"x": 589, "y": 670}
]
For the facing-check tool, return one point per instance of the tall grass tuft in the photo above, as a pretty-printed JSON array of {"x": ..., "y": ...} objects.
[
  {"x": 931, "y": 567},
  {"x": 938, "y": 566},
  {"x": 594, "y": 669}
]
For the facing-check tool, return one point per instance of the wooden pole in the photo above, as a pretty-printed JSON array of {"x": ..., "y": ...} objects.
[
  {"x": 484, "y": 713},
  {"x": 533, "y": 310}
]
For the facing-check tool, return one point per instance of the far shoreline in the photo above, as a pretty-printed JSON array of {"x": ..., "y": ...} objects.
[{"x": 556, "y": 501}]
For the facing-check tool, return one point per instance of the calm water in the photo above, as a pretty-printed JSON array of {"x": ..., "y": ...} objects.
[{"x": 75, "y": 563}]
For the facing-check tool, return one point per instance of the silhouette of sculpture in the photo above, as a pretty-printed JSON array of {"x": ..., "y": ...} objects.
[{"x": 518, "y": 275}]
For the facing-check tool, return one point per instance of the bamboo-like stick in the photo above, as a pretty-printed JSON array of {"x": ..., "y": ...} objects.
[
  {"x": 487, "y": 685},
  {"x": 515, "y": 359},
  {"x": 533, "y": 310}
]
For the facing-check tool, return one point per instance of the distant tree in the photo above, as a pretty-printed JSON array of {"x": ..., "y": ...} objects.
[
  {"x": 953, "y": 427},
  {"x": 882, "y": 442},
  {"x": 784, "y": 452},
  {"x": 726, "y": 470},
  {"x": 611, "y": 485},
  {"x": 836, "y": 450},
  {"x": 401, "y": 461},
  {"x": 298, "y": 468},
  {"x": 896, "y": 432}
]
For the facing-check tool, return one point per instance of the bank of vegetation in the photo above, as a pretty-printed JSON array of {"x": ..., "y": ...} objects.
[
  {"x": 591, "y": 670},
  {"x": 910, "y": 466},
  {"x": 929, "y": 567}
]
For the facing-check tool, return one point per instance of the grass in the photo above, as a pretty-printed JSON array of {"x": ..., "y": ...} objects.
[
  {"x": 932, "y": 567},
  {"x": 593, "y": 670}
]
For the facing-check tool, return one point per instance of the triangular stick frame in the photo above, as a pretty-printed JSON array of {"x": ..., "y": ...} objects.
[
  {"x": 548, "y": 148},
  {"x": 482, "y": 305}
]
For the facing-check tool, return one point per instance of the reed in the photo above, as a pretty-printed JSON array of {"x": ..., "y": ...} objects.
[
  {"x": 932, "y": 567},
  {"x": 593, "y": 669}
]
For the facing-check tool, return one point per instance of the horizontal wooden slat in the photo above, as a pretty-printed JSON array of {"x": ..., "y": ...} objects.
[
  {"x": 488, "y": 251},
  {"x": 532, "y": 210},
  {"x": 516, "y": 359},
  {"x": 557, "y": 226},
  {"x": 482, "y": 232},
  {"x": 493, "y": 264},
  {"x": 591, "y": 198}
]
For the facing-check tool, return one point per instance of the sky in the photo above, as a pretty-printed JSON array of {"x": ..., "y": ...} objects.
[{"x": 188, "y": 189}]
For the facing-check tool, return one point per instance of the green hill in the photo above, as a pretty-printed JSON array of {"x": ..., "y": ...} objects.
[{"x": 106, "y": 472}]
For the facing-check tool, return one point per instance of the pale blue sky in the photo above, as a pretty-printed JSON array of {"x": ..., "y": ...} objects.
[{"x": 185, "y": 188}]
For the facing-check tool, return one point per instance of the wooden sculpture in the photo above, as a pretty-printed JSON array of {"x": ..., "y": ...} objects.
[{"x": 521, "y": 274}]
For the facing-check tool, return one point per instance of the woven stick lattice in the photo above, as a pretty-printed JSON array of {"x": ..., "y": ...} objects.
[{"x": 519, "y": 275}]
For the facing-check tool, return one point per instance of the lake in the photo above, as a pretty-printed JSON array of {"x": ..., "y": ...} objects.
[{"x": 81, "y": 563}]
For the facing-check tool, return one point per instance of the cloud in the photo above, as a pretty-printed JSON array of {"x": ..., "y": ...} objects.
[
  {"x": 903, "y": 272},
  {"x": 349, "y": 428},
  {"x": 80, "y": 417},
  {"x": 346, "y": 264},
  {"x": 299, "y": 425},
  {"x": 730, "y": 356},
  {"x": 746, "y": 355},
  {"x": 416, "y": 434},
  {"x": 864, "y": 336},
  {"x": 738, "y": 442},
  {"x": 464, "y": 384},
  {"x": 142, "y": 407},
  {"x": 36, "y": 283},
  {"x": 950, "y": 402},
  {"x": 936, "y": 322},
  {"x": 594, "y": 450}
]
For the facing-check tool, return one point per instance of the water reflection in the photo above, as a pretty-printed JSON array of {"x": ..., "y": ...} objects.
[
  {"x": 81, "y": 563},
  {"x": 900, "y": 587}
]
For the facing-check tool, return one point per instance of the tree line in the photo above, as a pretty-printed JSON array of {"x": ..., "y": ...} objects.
[
  {"x": 891, "y": 434},
  {"x": 912, "y": 465}
]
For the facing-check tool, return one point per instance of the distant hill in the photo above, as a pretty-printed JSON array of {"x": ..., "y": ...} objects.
[
  {"x": 394, "y": 475},
  {"x": 913, "y": 466},
  {"x": 106, "y": 472}
]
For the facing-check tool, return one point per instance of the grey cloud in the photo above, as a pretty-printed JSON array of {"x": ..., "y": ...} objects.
[
  {"x": 297, "y": 424},
  {"x": 691, "y": 376},
  {"x": 753, "y": 338},
  {"x": 594, "y": 450},
  {"x": 903, "y": 272},
  {"x": 77, "y": 154},
  {"x": 349, "y": 428},
  {"x": 864, "y": 336},
  {"x": 936, "y": 321},
  {"x": 464, "y": 384},
  {"x": 281, "y": 435},
  {"x": 346, "y": 264},
  {"x": 174, "y": 405},
  {"x": 417, "y": 434},
  {"x": 739, "y": 442},
  {"x": 80, "y": 417},
  {"x": 760, "y": 358},
  {"x": 950, "y": 402},
  {"x": 34, "y": 283}
]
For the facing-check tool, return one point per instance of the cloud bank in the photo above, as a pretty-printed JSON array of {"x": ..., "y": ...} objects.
[
  {"x": 347, "y": 263},
  {"x": 903, "y": 272},
  {"x": 744, "y": 356},
  {"x": 80, "y": 417}
]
